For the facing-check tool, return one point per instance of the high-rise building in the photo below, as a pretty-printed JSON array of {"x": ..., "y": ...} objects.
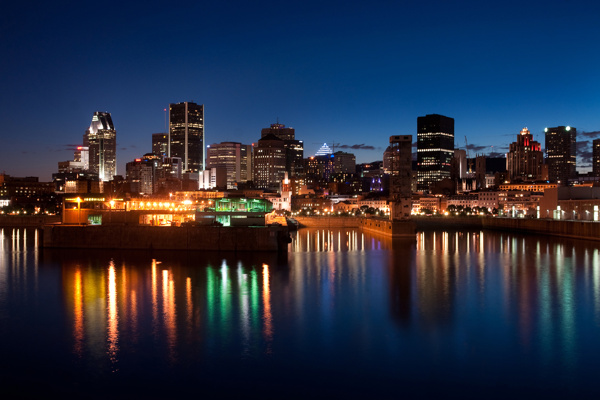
[
  {"x": 323, "y": 150},
  {"x": 186, "y": 135},
  {"x": 294, "y": 149},
  {"x": 235, "y": 157},
  {"x": 400, "y": 177},
  {"x": 140, "y": 175},
  {"x": 596, "y": 157},
  {"x": 160, "y": 144},
  {"x": 101, "y": 139},
  {"x": 561, "y": 153},
  {"x": 524, "y": 160},
  {"x": 269, "y": 162},
  {"x": 435, "y": 149},
  {"x": 344, "y": 163},
  {"x": 280, "y": 131}
]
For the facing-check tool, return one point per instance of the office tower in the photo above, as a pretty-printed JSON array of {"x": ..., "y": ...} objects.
[
  {"x": 524, "y": 160},
  {"x": 323, "y": 150},
  {"x": 435, "y": 149},
  {"x": 280, "y": 131},
  {"x": 269, "y": 162},
  {"x": 344, "y": 163},
  {"x": 561, "y": 153},
  {"x": 160, "y": 144},
  {"x": 186, "y": 135},
  {"x": 388, "y": 159},
  {"x": 235, "y": 157},
  {"x": 101, "y": 139},
  {"x": 400, "y": 177},
  {"x": 596, "y": 157},
  {"x": 140, "y": 175},
  {"x": 294, "y": 149}
]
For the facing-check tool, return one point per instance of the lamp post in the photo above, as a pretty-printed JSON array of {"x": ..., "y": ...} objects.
[
  {"x": 78, "y": 200},
  {"x": 112, "y": 204}
]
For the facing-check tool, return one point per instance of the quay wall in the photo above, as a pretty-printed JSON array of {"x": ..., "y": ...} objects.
[
  {"x": 388, "y": 228},
  {"x": 565, "y": 228},
  {"x": 167, "y": 238},
  {"x": 28, "y": 220},
  {"x": 377, "y": 225},
  {"x": 328, "y": 222},
  {"x": 569, "y": 228}
]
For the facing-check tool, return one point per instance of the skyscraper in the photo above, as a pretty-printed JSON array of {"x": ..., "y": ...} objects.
[
  {"x": 186, "y": 135},
  {"x": 101, "y": 139},
  {"x": 400, "y": 177},
  {"x": 435, "y": 149},
  {"x": 235, "y": 157},
  {"x": 524, "y": 159},
  {"x": 160, "y": 144},
  {"x": 596, "y": 157},
  {"x": 561, "y": 153},
  {"x": 269, "y": 162},
  {"x": 294, "y": 149}
]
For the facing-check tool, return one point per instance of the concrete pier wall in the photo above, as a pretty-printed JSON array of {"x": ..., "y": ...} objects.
[
  {"x": 566, "y": 228},
  {"x": 28, "y": 220},
  {"x": 328, "y": 222},
  {"x": 274, "y": 238},
  {"x": 574, "y": 229},
  {"x": 377, "y": 225},
  {"x": 388, "y": 228}
]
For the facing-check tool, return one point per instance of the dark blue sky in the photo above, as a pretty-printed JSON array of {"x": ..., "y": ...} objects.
[{"x": 348, "y": 72}]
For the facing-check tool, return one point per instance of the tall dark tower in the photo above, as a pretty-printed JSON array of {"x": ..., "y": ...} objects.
[
  {"x": 435, "y": 149},
  {"x": 561, "y": 153},
  {"x": 186, "y": 135},
  {"x": 101, "y": 137},
  {"x": 596, "y": 157},
  {"x": 294, "y": 149},
  {"x": 524, "y": 160},
  {"x": 400, "y": 177},
  {"x": 160, "y": 144}
]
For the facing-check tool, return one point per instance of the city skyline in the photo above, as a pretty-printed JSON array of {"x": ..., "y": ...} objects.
[{"x": 345, "y": 73}]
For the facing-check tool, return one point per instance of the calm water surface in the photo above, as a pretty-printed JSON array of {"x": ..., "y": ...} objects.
[{"x": 343, "y": 314}]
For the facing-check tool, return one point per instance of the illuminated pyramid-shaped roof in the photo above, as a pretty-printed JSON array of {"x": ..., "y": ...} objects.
[{"x": 324, "y": 150}]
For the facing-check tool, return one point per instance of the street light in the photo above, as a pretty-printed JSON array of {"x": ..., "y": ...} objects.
[
  {"x": 78, "y": 200},
  {"x": 112, "y": 204}
]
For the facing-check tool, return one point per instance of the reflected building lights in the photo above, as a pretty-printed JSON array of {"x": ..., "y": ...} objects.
[
  {"x": 188, "y": 302},
  {"x": 268, "y": 318},
  {"x": 113, "y": 317},
  {"x": 78, "y": 329}
]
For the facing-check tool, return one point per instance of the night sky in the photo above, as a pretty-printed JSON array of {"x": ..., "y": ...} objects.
[{"x": 352, "y": 73}]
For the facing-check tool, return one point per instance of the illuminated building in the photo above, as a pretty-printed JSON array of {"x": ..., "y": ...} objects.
[
  {"x": 435, "y": 149},
  {"x": 596, "y": 157},
  {"x": 344, "y": 163},
  {"x": 160, "y": 144},
  {"x": 141, "y": 174},
  {"x": 236, "y": 212},
  {"x": 269, "y": 162},
  {"x": 101, "y": 139},
  {"x": 400, "y": 177},
  {"x": 294, "y": 149},
  {"x": 323, "y": 150},
  {"x": 524, "y": 159},
  {"x": 235, "y": 158},
  {"x": 186, "y": 135},
  {"x": 561, "y": 153}
]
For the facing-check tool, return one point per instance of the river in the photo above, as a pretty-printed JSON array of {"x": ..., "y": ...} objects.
[{"x": 343, "y": 314}]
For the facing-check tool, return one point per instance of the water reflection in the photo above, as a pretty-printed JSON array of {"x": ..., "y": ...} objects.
[
  {"x": 187, "y": 303},
  {"x": 492, "y": 306}
]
